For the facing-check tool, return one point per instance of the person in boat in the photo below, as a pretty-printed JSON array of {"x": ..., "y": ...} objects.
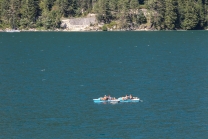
[
  {"x": 130, "y": 96},
  {"x": 109, "y": 97},
  {"x": 105, "y": 98},
  {"x": 127, "y": 97}
]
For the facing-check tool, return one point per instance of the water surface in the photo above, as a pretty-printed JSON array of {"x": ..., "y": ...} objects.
[{"x": 48, "y": 81}]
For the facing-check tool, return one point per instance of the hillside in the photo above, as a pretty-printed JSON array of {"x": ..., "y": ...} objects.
[{"x": 110, "y": 14}]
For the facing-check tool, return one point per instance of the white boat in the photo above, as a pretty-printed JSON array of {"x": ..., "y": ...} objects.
[
  {"x": 134, "y": 99},
  {"x": 99, "y": 100}
]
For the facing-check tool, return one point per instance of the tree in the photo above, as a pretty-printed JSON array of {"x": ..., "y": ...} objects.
[
  {"x": 206, "y": 12},
  {"x": 48, "y": 4},
  {"x": 0, "y": 7},
  {"x": 102, "y": 8},
  {"x": 63, "y": 6},
  {"x": 113, "y": 7},
  {"x": 123, "y": 13},
  {"x": 157, "y": 8},
  {"x": 134, "y": 4},
  {"x": 5, "y": 16},
  {"x": 170, "y": 13},
  {"x": 10, "y": 12},
  {"x": 191, "y": 16},
  {"x": 201, "y": 13},
  {"x": 84, "y": 6},
  {"x": 29, "y": 13},
  {"x": 141, "y": 19}
]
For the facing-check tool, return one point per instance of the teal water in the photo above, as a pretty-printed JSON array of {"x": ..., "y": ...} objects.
[{"x": 48, "y": 81}]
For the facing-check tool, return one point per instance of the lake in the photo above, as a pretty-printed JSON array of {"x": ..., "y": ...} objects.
[{"x": 48, "y": 81}]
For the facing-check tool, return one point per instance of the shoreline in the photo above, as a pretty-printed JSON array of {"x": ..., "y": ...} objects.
[{"x": 63, "y": 30}]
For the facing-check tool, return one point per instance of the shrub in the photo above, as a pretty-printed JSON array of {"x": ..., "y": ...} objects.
[
  {"x": 104, "y": 28},
  {"x": 112, "y": 24}
]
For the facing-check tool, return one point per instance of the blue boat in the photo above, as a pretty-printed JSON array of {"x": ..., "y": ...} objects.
[
  {"x": 123, "y": 99},
  {"x": 100, "y": 100}
]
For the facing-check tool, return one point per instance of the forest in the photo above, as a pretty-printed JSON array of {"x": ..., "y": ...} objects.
[{"x": 160, "y": 15}]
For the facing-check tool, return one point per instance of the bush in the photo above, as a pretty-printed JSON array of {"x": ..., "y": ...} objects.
[
  {"x": 112, "y": 24},
  {"x": 142, "y": 6},
  {"x": 104, "y": 28}
]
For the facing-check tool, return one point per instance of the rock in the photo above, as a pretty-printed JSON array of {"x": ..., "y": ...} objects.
[
  {"x": 63, "y": 25},
  {"x": 79, "y": 24}
]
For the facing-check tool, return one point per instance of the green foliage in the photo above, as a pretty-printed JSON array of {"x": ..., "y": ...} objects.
[
  {"x": 205, "y": 13},
  {"x": 158, "y": 11},
  {"x": 201, "y": 12},
  {"x": 161, "y": 14},
  {"x": 134, "y": 4},
  {"x": 191, "y": 19},
  {"x": 141, "y": 19},
  {"x": 170, "y": 14},
  {"x": 112, "y": 25},
  {"x": 102, "y": 9},
  {"x": 104, "y": 28},
  {"x": 142, "y": 6},
  {"x": 29, "y": 13}
]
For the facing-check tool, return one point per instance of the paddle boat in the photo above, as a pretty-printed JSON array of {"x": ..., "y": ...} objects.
[
  {"x": 124, "y": 99},
  {"x": 100, "y": 100}
]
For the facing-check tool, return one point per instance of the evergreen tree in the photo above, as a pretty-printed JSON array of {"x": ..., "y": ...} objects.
[
  {"x": 157, "y": 8},
  {"x": 201, "y": 12},
  {"x": 170, "y": 13},
  {"x": 134, "y": 4},
  {"x": 206, "y": 13},
  {"x": 10, "y": 12},
  {"x": 5, "y": 12},
  {"x": 113, "y": 8},
  {"x": 0, "y": 13},
  {"x": 48, "y": 4},
  {"x": 191, "y": 16},
  {"x": 113, "y": 5},
  {"x": 29, "y": 13},
  {"x": 84, "y": 5},
  {"x": 102, "y": 8},
  {"x": 181, "y": 13},
  {"x": 66, "y": 8},
  {"x": 63, "y": 6},
  {"x": 123, "y": 13}
]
